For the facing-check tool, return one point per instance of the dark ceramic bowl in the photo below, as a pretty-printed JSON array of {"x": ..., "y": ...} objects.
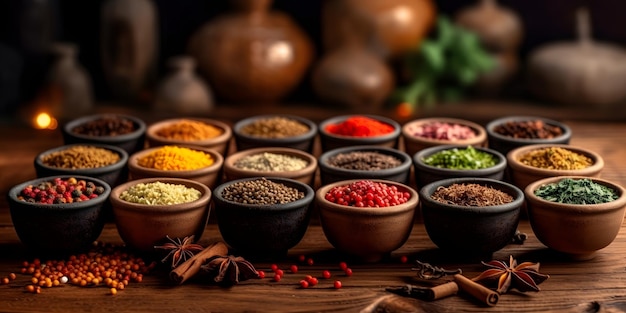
[
  {"x": 220, "y": 143},
  {"x": 504, "y": 144},
  {"x": 426, "y": 174},
  {"x": 131, "y": 142},
  {"x": 467, "y": 230},
  {"x": 113, "y": 174},
  {"x": 302, "y": 142},
  {"x": 331, "y": 141},
  {"x": 263, "y": 230},
  {"x": 58, "y": 228},
  {"x": 330, "y": 174},
  {"x": 413, "y": 144}
]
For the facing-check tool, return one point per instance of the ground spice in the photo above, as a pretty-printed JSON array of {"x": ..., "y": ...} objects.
[
  {"x": 61, "y": 190},
  {"x": 364, "y": 161},
  {"x": 533, "y": 129},
  {"x": 474, "y": 195},
  {"x": 109, "y": 125},
  {"x": 79, "y": 157},
  {"x": 443, "y": 131},
  {"x": 576, "y": 191},
  {"x": 173, "y": 158},
  {"x": 271, "y": 162},
  {"x": 462, "y": 159},
  {"x": 275, "y": 127},
  {"x": 189, "y": 130},
  {"x": 367, "y": 193},
  {"x": 556, "y": 158},
  {"x": 158, "y": 193},
  {"x": 360, "y": 126},
  {"x": 261, "y": 192}
]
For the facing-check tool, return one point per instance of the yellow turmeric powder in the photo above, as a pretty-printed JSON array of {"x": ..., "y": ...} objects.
[
  {"x": 189, "y": 130},
  {"x": 556, "y": 158},
  {"x": 173, "y": 158}
]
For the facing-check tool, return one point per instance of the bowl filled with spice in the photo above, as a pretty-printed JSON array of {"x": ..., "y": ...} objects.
[
  {"x": 507, "y": 133},
  {"x": 530, "y": 163},
  {"x": 364, "y": 162},
  {"x": 471, "y": 216},
  {"x": 358, "y": 130},
  {"x": 263, "y": 217},
  {"x": 575, "y": 215},
  {"x": 203, "y": 132},
  {"x": 149, "y": 210},
  {"x": 428, "y": 132},
  {"x": 271, "y": 161},
  {"x": 203, "y": 165},
  {"x": 288, "y": 131},
  {"x": 452, "y": 161},
  {"x": 124, "y": 131},
  {"x": 366, "y": 219},
  {"x": 58, "y": 215}
]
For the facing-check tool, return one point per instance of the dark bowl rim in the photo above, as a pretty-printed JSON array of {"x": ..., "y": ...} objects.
[
  {"x": 403, "y": 156},
  {"x": 216, "y": 166},
  {"x": 567, "y": 131},
  {"x": 340, "y": 118},
  {"x": 232, "y": 158},
  {"x": 515, "y": 164},
  {"x": 85, "y": 171},
  {"x": 310, "y": 134},
  {"x": 224, "y": 137},
  {"x": 308, "y": 198},
  {"x": 480, "y": 131},
  {"x": 418, "y": 162},
  {"x": 529, "y": 193},
  {"x": 171, "y": 208},
  {"x": 101, "y": 199},
  {"x": 141, "y": 128}
]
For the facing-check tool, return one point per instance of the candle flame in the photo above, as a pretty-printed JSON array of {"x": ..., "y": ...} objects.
[{"x": 44, "y": 121}]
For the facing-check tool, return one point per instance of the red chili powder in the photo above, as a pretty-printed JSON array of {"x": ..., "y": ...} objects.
[{"x": 360, "y": 126}]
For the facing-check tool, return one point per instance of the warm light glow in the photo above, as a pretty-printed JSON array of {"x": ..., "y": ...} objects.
[{"x": 44, "y": 121}]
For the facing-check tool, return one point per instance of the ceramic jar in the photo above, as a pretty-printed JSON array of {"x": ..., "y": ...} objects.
[
  {"x": 183, "y": 92},
  {"x": 252, "y": 54}
]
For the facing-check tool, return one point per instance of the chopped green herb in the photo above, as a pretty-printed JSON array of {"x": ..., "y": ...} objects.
[
  {"x": 576, "y": 191},
  {"x": 461, "y": 159}
]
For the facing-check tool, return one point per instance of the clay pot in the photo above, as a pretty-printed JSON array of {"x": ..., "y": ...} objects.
[
  {"x": 183, "y": 92},
  {"x": 252, "y": 54}
]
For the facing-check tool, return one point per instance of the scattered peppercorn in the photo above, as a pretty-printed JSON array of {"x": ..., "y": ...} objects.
[
  {"x": 576, "y": 191},
  {"x": 158, "y": 193},
  {"x": 360, "y": 126},
  {"x": 443, "y": 131},
  {"x": 271, "y": 162},
  {"x": 461, "y": 159},
  {"x": 110, "y": 125},
  {"x": 363, "y": 161},
  {"x": 275, "y": 127},
  {"x": 261, "y": 191},
  {"x": 189, "y": 130},
  {"x": 531, "y": 129},
  {"x": 367, "y": 193},
  {"x": 174, "y": 158},
  {"x": 470, "y": 195},
  {"x": 556, "y": 158},
  {"x": 79, "y": 157}
]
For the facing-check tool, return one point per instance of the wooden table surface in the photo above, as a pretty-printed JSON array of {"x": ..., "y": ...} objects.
[{"x": 590, "y": 286}]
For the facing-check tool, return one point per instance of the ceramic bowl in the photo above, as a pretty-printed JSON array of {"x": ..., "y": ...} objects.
[
  {"x": 263, "y": 231},
  {"x": 368, "y": 234},
  {"x": 414, "y": 143},
  {"x": 143, "y": 226},
  {"x": 209, "y": 176},
  {"x": 504, "y": 144},
  {"x": 473, "y": 231},
  {"x": 58, "y": 228},
  {"x": 302, "y": 142},
  {"x": 113, "y": 174},
  {"x": 522, "y": 175},
  {"x": 330, "y": 174},
  {"x": 130, "y": 142},
  {"x": 305, "y": 175},
  {"x": 578, "y": 231},
  {"x": 219, "y": 143},
  {"x": 426, "y": 174},
  {"x": 331, "y": 141}
]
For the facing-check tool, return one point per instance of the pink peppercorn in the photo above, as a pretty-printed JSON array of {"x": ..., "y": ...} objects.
[
  {"x": 443, "y": 131},
  {"x": 366, "y": 193}
]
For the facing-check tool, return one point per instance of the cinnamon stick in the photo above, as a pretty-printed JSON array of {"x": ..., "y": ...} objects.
[
  {"x": 192, "y": 266},
  {"x": 476, "y": 290}
]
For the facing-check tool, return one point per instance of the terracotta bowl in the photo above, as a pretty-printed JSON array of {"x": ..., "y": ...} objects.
[
  {"x": 263, "y": 231},
  {"x": 426, "y": 174},
  {"x": 143, "y": 226},
  {"x": 505, "y": 144},
  {"x": 522, "y": 175},
  {"x": 414, "y": 144},
  {"x": 219, "y": 143},
  {"x": 330, "y": 174},
  {"x": 209, "y": 176},
  {"x": 130, "y": 142},
  {"x": 113, "y": 174},
  {"x": 302, "y": 142},
  {"x": 367, "y": 234},
  {"x": 473, "y": 231},
  {"x": 305, "y": 175},
  {"x": 58, "y": 228},
  {"x": 331, "y": 141},
  {"x": 578, "y": 231}
]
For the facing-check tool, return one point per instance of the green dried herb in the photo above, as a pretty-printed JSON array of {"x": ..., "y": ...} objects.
[
  {"x": 576, "y": 191},
  {"x": 461, "y": 159}
]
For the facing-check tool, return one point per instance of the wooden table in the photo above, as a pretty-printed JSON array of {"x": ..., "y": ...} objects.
[{"x": 590, "y": 286}]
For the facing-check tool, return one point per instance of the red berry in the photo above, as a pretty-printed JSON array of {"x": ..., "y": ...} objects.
[
  {"x": 348, "y": 271},
  {"x": 337, "y": 284},
  {"x": 293, "y": 269},
  {"x": 273, "y": 267},
  {"x": 279, "y": 272},
  {"x": 343, "y": 266},
  {"x": 261, "y": 274},
  {"x": 404, "y": 259},
  {"x": 277, "y": 277},
  {"x": 313, "y": 281},
  {"x": 302, "y": 258},
  {"x": 309, "y": 261},
  {"x": 304, "y": 284},
  {"x": 326, "y": 274}
]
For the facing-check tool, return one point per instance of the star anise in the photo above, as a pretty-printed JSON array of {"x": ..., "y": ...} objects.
[
  {"x": 180, "y": 249},
  {"x": 523, "y": 277},
  {"x": 229, "y": 270}
]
